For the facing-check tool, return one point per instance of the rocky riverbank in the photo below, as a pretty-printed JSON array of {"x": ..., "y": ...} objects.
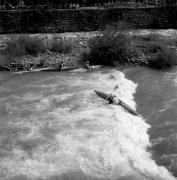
[
  {"x": 79, "y": 43},
  {"x": 49, "y": 58}
]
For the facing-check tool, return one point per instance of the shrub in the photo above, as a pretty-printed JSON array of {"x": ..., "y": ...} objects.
[
  {"x": 3, "y": 61},
  {"x": 155, "y": 47},
  {"x": 13, "y": 48},
  {"x": 22, "y": 45},
  {"x": 162, "y": 56},
  {"x": 32, "y": 45},
  {"x": 6, "y": 60},
  {"x": 41, "y": 63},
  {"x": 61, "y": 46},
  {"x": 163, "y": 59},
  {"x": 111, "y": 46}
]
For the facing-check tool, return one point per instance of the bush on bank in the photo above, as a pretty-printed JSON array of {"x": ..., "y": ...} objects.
[
  {"x": 105, "y": 50},
  {"x": 17, "y": 47},
  {"x": 61, "y": 46},
  {"x": 33, "y": 45},
  {"x": 26, "y": 45},
  {"x": 161, "y": 56},
  {"x": 116, "y": 46},
  {"x": 110, "y": 47}
]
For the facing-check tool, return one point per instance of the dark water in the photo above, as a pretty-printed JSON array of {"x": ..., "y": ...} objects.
[
  {"x": 156, "y": 99},
  {"x": 54, "y": 127}
]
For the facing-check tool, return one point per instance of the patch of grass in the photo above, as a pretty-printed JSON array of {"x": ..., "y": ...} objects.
[{"x": 61, "y": 46}]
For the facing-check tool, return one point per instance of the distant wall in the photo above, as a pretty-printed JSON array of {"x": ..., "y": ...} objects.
[{"x": 47, "y": 21}]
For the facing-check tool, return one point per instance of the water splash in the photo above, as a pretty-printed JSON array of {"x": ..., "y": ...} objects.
[{"x": 72, "y": 130}]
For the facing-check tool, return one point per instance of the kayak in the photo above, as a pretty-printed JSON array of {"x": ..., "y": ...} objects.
[
  {"x": 75, "y": 69},
  {"x": 51, "y": 69},
  {"x": 63, "y": 69},
  {"x": 34, "y": 70},
  {"x": 129, "y": 109},
  {"x": 102, "y": 94}
]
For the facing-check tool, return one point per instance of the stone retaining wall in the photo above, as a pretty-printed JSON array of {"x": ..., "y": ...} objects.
[{"x": 57, "y": 21}]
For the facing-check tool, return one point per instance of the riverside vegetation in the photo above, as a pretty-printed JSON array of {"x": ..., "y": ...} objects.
[
  {"x": 23, "y": 51},
  {"x": 123, "y": 47},
  {"x": 112, "y": 46}
]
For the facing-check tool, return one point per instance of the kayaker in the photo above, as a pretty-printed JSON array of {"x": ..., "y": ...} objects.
[
  {"x": 87, "y": 65},
  {"x": 31, "y": 66},
  {"x": 61, "y": 65},
  {"x": 112, "y": 99}
]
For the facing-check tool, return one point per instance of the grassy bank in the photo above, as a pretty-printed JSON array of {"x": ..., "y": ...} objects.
[{"x": 113, "y": 46}]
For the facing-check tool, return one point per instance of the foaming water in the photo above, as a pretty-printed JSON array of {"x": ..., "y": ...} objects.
[
  {"x": 53, "y": 126},
  {"x": 157, "y": 99}
]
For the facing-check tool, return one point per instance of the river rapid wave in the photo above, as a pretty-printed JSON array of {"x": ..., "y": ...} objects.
[{"x": 54, "y": 127}]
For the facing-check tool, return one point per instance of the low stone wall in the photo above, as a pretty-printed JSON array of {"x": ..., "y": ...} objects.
[{"x": 57, "y": 21}]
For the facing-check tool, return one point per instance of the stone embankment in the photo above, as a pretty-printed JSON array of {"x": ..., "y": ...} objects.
[{"x": 77, "y": 20}]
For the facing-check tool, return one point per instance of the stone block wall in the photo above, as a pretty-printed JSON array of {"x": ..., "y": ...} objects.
[{"x": 57, "y": 21}]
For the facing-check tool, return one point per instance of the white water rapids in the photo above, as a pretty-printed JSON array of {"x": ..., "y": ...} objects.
[{"x": 54, "y": 127}]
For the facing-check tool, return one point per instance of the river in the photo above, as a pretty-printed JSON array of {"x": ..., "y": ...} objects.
[{"x": 54, "y": 127}]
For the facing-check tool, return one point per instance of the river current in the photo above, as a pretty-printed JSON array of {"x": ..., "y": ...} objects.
[{"x": 54, "y": 127}]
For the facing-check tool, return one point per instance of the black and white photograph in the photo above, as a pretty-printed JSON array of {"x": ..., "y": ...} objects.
[{"x": 88, "y": 89}]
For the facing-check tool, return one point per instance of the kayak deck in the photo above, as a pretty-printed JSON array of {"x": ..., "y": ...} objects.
[
  {"x": 121, "y": 103},
  {"x": 101, "y": 94}
]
